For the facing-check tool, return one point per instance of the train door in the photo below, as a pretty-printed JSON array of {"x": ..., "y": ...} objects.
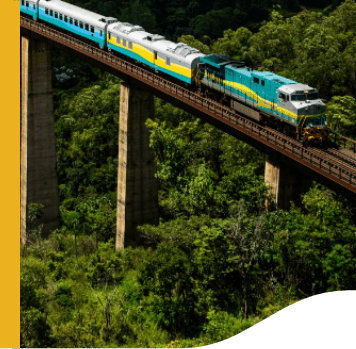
[
  {"x": 262, "y": 92},
  {"x": 155, "y": 56},
  {"x": 256, "y": 90}
]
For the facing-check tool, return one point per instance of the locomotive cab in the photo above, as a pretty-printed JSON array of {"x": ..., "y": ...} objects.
[{"x": 304, "y": 101}]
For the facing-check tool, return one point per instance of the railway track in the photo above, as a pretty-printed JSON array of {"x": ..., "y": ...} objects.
[
  {"x": 344, "y": 158},
  {"x": 333, "y": 165},
  {"x": 332, "y": 157}
]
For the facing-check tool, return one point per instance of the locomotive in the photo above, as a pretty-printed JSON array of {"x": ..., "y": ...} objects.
[{"x": 268, "y": 98}]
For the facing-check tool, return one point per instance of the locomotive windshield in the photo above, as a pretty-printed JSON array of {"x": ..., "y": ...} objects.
[
  {"x": 313, "y": 96},
  {"x": 304, "y": 97}
]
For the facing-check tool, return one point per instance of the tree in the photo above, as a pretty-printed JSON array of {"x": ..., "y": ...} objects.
[
  {"x": 35, "y": 330},
  {"x": 315, "y": 252},
  {"x": 218, "y": 282},
  {"x": 106, "y": 271},
  {"x": 165, "y": 277},
  {"x": 139, "y": 13},
  {"x": 191, "y": 41},
  {"x": 233, "y": 43},
  {"x": 34, "y": 212},
  {"x": 341, "y": 113},
  {"x": 213, "y": 23},
  {"x": 250, "y": 241}
]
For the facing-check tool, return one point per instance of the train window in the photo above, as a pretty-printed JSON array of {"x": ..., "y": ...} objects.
[
  {"x": 87, "y": 27},
  {"x": 109, "y": 35},
  {"x": 168, "y": 60},
  {"x": 298, "y": 98},
  {"x": 256, "y": 80},
  {"x": 50, "y": 12},
  {"x": 65, "y": 19},
  {"x": 92, "y": 29},
  {"x": 287, "y": 97},
  {"x": 124, "y": 42},
  {"x": 46, "y": 11},
  {"x": 130, "y": 45},
  {"x": 76, "y": 23},
  {"x": 26, "y": 3},
  {"x": 56, "y": 15},
  {"x": 101, "y": 32},
  {"x": 22, "y": 2},
  {"x": 313, "y": 96},
  {"x": 34, "y": 6},
  {"x": 81, "y": 25},
  {"x": 60, "y": 17},
  {"x": 262, "y": 82},
  {"x": 281, "y": 95},
  {"x": 70, "y": 20},
  {"x": 155, "y": 55}
]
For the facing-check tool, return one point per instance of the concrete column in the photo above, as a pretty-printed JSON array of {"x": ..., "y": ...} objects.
[
  {"x": 38, "y": 149},
  {"x": 137, "y": 188},
  {"x": 288, "y": 184}
]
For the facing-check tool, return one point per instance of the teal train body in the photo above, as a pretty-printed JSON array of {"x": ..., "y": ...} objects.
[{"x": 295, "y": 104}]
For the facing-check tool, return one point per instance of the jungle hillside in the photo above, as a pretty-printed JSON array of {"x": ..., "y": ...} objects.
[{"x": 218, "y": 262}]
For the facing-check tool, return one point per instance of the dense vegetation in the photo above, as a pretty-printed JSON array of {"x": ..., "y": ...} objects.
[
  {"x": 200, "y": 18},
  {"x": 218, "y": 262}
]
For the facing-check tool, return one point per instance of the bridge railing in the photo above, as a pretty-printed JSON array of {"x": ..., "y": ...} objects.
[
  {"x": 290, "y": 147},
  {"x": 344, "y": 142}
]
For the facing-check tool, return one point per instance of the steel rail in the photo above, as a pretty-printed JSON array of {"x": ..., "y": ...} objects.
[{"x": 314, "y": 159}]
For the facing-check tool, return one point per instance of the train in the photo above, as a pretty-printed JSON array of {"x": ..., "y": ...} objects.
[{"x": 286, "y": 105}]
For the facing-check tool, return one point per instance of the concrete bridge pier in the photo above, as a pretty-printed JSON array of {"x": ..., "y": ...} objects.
[
  {"x": 137, "y": 188},
  {"x": 288, "y": 184},
  {"x": 38, "y": 149}
]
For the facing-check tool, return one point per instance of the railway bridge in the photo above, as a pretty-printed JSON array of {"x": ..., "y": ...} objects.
[{"x": 289, "y": 170}]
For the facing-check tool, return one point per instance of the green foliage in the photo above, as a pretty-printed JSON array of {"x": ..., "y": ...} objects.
[
  {"x": 341, "y": 113},
  {"x": 306, "y": 246},
  {"x": 309, "y": 48},
  {"x": 198, "y": 171},
  {"x": 191, "y": 41},
  {"x": 105, "y": 266},
  {"x": 88, "y": 144},
  {"x": 139, "y": 13},
  {"x": 217, "y": 262},
  {"x": 222, "y": 325},
  {"x": 165, "y": 277},
  {"x": 33, "y": 279},
  {"x": 213, "y": 23},
  {"x": 219, "y": 282},
  {"x": 35, "y": 211},
  {"x": 233, "y": 43},
  {"x": 63, "y": 295},
  {"x": 35, "y": 330}
]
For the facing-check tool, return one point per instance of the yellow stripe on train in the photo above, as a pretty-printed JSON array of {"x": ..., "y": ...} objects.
[{"x": 149, "y": 56}]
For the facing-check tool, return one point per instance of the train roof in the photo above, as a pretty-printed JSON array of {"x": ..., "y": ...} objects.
[
  {"x": 273, "y": 77},
  {"x": 297, "y": 88},
  {"x": 219, "y": 60},
  {"x": 264, "y": 75},
  {"x": 76, "y": 12},
  {"x": 156, "y": 42}
]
